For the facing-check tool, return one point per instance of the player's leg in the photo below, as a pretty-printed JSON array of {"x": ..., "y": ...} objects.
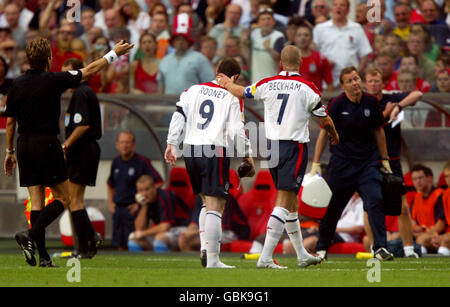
[
  {"x": 444, "y": 244},
  {"x": 369, "y": 188},
  {"x": 405, "y": 228},
  {"x": 37, "y": 198},
  {"x": 294, "y": 232},
  {"x": 201, "y": 229},
  {"x": 82, "y": 225}
]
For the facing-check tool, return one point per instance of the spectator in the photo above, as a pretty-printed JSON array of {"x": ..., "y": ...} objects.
[
  {"x": 439, "y": 29},
  {"x": 409, "y": 79},
  {"x": 234, "y": 224},
  {"x": 320, "y": 10},
  {"x": 230, "y": 27},
  {"x": 87, "y": 22},
  {"x": 315, "y": 67},
  {"x": 100, "y": 15},
  {"x": 135, "y": 18},
  {"x": 197, "y": 30},
  {"x": 143, "y": 71},
  {"x": 394, "y": 45},
  {"x": 416, "y": 47},
  {"x": 159, "y": 28},
  {"x": 184, "y": 67},
  {"x": 114, "y": 20},
  {"x": 101, "y": 81},
  {"x": 156, "y": 225},
  {"x": 250, "y": 18},
  {"x": 432, "y": 50},
  {"x": 350, "y": 228},
  {"x": 208, "y": 47},
  {"x": 8, "y": 49},
  {"x": 5, "y": 85},
  {"x": 442, "y": 62},
  {"x": 443, "y": 81},
  {"x": 266, "y": 44},
  {"x": 121, "y": 185},
  {"x": 214, "y": 13},
  {"x": 361, "y": 18},
  {"x": 402, "y": 18},
  {"x": 25, "y": 15},
  {"x": 12, "y": 13},
  {"x": 426, "y": 207},
  {"x": 122, "y": 65},
  {"x": 385, "y": 61},
  {"x": 61, "y": 47},
  {"x": 158, "y": 8},
  {"x": 291, "y": 29},
  {"x": 342, "y": 41}
]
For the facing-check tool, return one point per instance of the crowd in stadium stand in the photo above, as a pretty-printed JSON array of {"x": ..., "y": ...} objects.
[
  {"x": 179, "y": 43},
  {"x": 408, "y": 40}
]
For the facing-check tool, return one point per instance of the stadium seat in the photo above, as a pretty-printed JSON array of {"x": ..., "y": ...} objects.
[
  {"x": 180, "y": 184},
  {"x": 441, "y": 182},
  {"x": 346, "y": 248},
  {"x": 257, "y": 204}
]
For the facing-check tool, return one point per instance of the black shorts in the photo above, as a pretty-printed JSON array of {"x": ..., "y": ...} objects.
[
  {"x": 209, "y": 174},
  {"x": 82, "y": 162},
  {"x": 292, "y": 161},
  {"x": 41, "y": 160}
]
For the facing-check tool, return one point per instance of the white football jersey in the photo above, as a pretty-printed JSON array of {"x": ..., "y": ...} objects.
[
  {"x": 212, "y": 114},
  {"x": 289, "y": 100}
]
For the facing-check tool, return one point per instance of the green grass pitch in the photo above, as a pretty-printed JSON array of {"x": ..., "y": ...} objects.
[{"x": 118, "y": 269}]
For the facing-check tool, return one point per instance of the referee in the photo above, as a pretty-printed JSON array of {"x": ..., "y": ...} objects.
[
  {"x": 34, "y": 104},
  {"x": 354, "y": 162},
  {"x": 83, "y": 129}
]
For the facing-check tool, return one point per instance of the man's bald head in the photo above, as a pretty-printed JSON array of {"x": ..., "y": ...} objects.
[{"x": 291, "y": 57}]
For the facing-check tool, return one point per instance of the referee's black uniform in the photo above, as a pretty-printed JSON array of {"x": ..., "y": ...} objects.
[
  {"x": 84, "y": 155},
  {"x": 34, "y": 100}
]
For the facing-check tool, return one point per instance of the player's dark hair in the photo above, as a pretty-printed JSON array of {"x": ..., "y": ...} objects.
[
  {"x": 229, "y": 67},
  {"x": 38, "y": 52},
  {"x": 420, "y": 167},
  {"x": 74, "y": 62},
  {"x": 145, "y": 178}
]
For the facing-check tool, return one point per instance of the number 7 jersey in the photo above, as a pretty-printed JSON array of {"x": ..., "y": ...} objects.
[
  {"x": 289, "y": 100},
  {"x": 212, "y": 116}
]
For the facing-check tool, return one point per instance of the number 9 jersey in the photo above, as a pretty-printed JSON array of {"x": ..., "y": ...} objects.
[
  {"x": 289, "y": 100},
  {"x": 212, "y": 116}
]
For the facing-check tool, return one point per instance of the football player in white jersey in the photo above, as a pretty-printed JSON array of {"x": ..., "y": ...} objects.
[
  {"x": 289, "y": 101},
  {"x": 210, "y": 115}
]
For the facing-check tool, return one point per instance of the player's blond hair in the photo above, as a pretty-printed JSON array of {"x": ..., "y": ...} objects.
[
  {"x": 291, "y": 56},
  {"x": 38, "y": 52}
]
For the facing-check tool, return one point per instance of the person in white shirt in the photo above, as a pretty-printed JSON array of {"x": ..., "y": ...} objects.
[
  {"x": 209, "y": 115},
  {"x": 342, "y": 41},
  {"x": 289, "y": 101},
  {"x": 266, "y": 45}
]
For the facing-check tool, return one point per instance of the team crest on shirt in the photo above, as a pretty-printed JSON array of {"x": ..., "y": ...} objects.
[
  {"x": 77, "y": 118},
  {"x": 66, "y": 120},
  {"x": 366, "y": 112},
  {"x": 312, "y": 67},
  {"x": 131, "y": 171}
]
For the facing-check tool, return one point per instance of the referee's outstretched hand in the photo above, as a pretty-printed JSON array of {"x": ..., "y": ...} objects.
[{"x": 122, "y": 48}]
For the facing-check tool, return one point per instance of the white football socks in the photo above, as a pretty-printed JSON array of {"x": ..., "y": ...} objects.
[
  {"x": 294, "y": 232},
  {"x": 201, "y": 227},
  {"x": 275, "y": 227},
  {"x": 213, "y": 232}
]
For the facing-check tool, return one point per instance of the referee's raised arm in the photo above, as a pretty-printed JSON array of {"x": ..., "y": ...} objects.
[{"x": 119, "y": 49}]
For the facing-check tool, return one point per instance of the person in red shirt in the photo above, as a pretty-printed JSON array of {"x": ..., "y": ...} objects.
[
  {"x": 315, "y": 67},
  {"x": 408, "y": 63},
  {"x": 61, "y": 47}
]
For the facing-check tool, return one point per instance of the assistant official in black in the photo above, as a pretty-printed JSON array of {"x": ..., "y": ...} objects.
[
  {"x": 391, "y": 104},
  {"x": 354, "y": 165},
  {"x": 34, "y": 103},
  {"x": 83, "y": 128}
]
